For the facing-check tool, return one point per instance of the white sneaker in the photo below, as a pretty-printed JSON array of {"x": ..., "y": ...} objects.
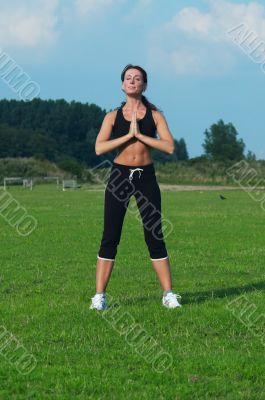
[
  {"x": 170, "y": 300},
  {"x": 99, "y": 302}
]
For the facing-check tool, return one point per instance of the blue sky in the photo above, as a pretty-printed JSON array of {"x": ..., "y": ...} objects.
[{"x": 76, "y": 49}]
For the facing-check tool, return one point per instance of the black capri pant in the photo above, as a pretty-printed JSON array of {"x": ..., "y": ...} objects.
[{"x": 126, "y": 181}]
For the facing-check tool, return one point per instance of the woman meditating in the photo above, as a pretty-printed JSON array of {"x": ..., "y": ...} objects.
[{"x": 134, "y": 126}]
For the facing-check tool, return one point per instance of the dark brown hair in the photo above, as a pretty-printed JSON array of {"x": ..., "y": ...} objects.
[{"x": 145, "y": 101}]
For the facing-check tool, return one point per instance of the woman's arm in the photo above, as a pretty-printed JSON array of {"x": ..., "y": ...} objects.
[
  {"x": 103, "y": 144},
  {"x": 166, "y": 141}
]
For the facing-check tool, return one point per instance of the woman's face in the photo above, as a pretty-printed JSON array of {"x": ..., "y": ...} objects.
[{"x": 133, "y": 82}]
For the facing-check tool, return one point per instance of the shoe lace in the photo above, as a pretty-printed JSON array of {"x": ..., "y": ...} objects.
[
  {"x": 174, "y": 296},
  {"x": 98, "y": 299}
]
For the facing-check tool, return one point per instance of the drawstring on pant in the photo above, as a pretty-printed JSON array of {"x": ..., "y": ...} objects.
[{"x": 132, "y": 171}]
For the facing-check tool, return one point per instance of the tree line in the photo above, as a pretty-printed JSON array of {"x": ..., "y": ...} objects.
[{"x": 61, "y": 132}]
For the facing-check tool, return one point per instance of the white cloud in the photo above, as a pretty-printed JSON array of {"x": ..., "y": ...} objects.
[
  {"x": 140, "y": 9},
  {"x": 196, "y": 42},
  {"x": 30, "y": 24},
  {"x": 88, "y": 8},
  {"x": 191, "y": 20}
]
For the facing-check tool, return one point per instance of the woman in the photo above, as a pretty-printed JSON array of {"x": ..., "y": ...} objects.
[{"x": 134, "y": 126}]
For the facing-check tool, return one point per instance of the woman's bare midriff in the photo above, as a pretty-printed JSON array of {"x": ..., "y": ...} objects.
[{"x": 134, "y": 153}]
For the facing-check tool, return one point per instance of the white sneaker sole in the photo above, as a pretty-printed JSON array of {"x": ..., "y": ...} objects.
[
  {"x": 168, "y": 306},
  {"x": 98, "y": 309},
  {"x": 171, "y": 308}
]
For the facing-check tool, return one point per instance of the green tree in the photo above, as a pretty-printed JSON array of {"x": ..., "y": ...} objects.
[
  {"x": 181, "y": 150},
  {"x": 71, "y": 166},
  {"x": 180, "y": 153},
  {"x": 250, "y": 156},
  {"x": 221, "y": 142}
]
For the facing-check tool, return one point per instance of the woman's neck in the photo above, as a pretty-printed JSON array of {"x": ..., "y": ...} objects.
[{"x": 133, "y": 103}]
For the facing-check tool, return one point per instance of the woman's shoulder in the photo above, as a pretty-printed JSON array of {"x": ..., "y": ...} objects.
[
  {"x": 157, "y": 116},
  {"x": 111, "y": 115},
  {"x": 112, "y": 112}
]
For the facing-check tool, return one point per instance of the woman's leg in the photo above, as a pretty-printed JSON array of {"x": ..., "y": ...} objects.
[
  {"x": 117, "y": 197},
  {"x": 103, "y": 273},
  {"x": 149, "y": 203},
  {"x": 162, "y": 269}
]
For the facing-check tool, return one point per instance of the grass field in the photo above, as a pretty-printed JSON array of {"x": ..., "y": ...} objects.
[{"x": 214, "y": 349}]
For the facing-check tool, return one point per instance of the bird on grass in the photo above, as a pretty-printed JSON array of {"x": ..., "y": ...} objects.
[{"x": 222, "y": 197}]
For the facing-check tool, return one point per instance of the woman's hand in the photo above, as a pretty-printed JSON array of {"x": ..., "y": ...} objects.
[{"x": 134, "y": 127}]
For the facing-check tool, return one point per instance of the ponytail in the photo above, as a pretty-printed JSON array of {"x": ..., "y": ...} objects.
[{"x": 147, "y": 103}]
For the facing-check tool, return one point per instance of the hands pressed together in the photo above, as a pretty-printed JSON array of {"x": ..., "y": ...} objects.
[{"x": 134, "y": 127}]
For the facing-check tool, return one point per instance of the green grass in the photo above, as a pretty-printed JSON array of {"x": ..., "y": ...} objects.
[{"x": 47, "y": 279}]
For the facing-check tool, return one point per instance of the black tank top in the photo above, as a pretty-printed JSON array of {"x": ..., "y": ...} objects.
[{"x": 146, "y": 125}]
